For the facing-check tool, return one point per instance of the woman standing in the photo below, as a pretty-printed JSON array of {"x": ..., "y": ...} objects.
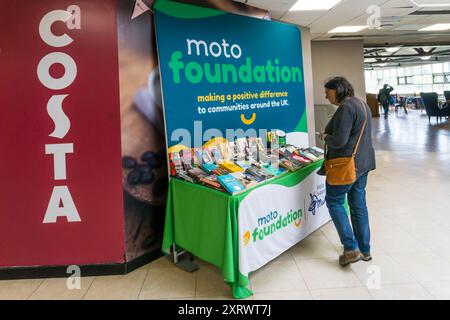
[{"x": 351, "y": 123}]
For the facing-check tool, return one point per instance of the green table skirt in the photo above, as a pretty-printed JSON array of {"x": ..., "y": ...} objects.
[{"x": 204, "y": 222}]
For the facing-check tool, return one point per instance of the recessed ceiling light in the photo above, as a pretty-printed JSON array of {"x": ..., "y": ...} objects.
[
  {"x": 437, "y": 27},
  {"x": 425, "y": 57},
  {"x": 347, "y": 29},
  {"x": 382, "y": 64},
  {"x": 392, "y": 49},
  {"x": 308, "y": 5}
]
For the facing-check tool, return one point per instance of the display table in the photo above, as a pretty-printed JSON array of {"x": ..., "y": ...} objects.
[{"x": 241, "y": 233}]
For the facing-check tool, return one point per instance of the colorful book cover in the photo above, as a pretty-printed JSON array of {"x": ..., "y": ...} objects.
[
  {"x": 272, "y": 170},
  {"x": 243, "y": 164},
  {"x": 231, "y": 166},
  {"x": 220, "y": 171},
  {"x": 209, "y": 167},
  {"x": 197, "y": 174},
  {"x": 231, "y": 184}
]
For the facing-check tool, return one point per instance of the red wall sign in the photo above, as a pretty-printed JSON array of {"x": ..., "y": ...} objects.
[{"x": 60, "y": 146}]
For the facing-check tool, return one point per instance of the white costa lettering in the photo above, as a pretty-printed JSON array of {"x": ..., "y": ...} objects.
[{"x": 61, "y": 203}]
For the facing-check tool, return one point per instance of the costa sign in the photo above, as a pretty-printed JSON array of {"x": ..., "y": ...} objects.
[{"x": 61, "y": 203}]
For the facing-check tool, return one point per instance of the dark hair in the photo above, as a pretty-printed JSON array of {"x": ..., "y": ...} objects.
[{"x": 343, "y": 88}]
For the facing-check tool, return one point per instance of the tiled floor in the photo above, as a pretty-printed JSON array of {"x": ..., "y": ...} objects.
[{"x": 408, "y": 197}]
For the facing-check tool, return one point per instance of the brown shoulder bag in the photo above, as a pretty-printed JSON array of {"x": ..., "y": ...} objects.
[{"x": 342, "y": 171}]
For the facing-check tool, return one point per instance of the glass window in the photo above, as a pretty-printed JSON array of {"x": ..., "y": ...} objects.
[
  {"x": 409, "y": 71},
  {"x": 417, "y": 79},
  {"x": 379, "y": 74},
  {"x": 439, "y": 88},
  {"x": 437, "y": 68},
  {"x": 418, "y": 70},
  {"x": 447, "y": 77},
  {"x": 400, "y": 72},
  {"x": 426, "y": 69},
  {"x": 438, "y": 78},
  {"x": 409, "y": 80},
  {"x": 401, "y": 80},
  {"x": 393, "y": 73},
  {"x": 427, "y": 88},
  {"x": 386, "y": 73},
  {"x": 447, "y": 86},
  {"x": 427, "y": 79},
  {"x": 446, "y": 67}
]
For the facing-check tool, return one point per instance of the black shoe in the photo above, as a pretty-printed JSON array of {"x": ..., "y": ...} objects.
[{"x": 366, "y": 256}]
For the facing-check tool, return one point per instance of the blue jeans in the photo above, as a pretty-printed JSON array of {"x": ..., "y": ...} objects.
[
  {"x": 386, "y": 109},
  {"x": 359, "y": 236}
]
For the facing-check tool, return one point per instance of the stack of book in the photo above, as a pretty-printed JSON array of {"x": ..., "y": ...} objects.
[{"x": 239, "y": 165}]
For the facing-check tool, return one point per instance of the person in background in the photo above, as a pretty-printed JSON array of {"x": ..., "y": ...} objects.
[
  {"x": 340, "y": 136},
  {"x": 384, "y": 98}
]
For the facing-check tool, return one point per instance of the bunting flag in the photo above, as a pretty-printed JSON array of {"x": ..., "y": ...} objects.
[{"x": 139, "y": 8}]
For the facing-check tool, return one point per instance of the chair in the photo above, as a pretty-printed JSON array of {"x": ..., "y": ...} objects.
[
  {"x": 447, "y": 97},
  {"x": 430, "y": 100},
  {"x": 373, "y": 104},
  {"x": 401, "y": 103}
]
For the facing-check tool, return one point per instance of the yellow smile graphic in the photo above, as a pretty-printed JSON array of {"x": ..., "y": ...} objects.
[
  {"x": 249, "y": 121},
  {"x": 246, "y": 238},
  {"x": 298, "y": 223}
]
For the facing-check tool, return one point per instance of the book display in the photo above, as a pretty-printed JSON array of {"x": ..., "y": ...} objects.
[
  {"x": 237, "y": 166},
  {"x": 244, "y": 183}
]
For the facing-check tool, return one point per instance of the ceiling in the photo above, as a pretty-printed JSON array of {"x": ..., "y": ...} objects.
[{"x": 400, "y": 20}]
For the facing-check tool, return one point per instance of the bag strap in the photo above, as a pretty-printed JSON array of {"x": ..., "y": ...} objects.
[{"x": 362, "y": 130}]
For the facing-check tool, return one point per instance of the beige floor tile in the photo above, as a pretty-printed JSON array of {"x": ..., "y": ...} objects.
[
  {"x": 18, "y": 289},
  {"x": 424, "y": 266},
  {"x": 168, "y": 283},
  {"x": 210, "y": 282},
  {"x": 314, "y": 247},
  {"x": 160, "y": 263},
  {"x": 336, "y": 242},
  {"x": 399, "y": 242},
  {"x": 401, "y": 292},
  {"x": 291, "y": 295},
  {"x": 355, "y": 293},
  {"x": 326, "y": 274},
  {"x": 277, "y": 276},
  {"x": 225, "y": 297},
  {"x": 120, "y": 287},
  {"x": 56, "y": 289},
  {"x": 381, "y": 267},
  {"x": 438, "y": 289}
]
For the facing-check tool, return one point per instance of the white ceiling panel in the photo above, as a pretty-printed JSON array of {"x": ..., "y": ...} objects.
[
  {"x": 303, "y": 18},
  {"x": 353, "y": 12},
  {"x": 271, "y": 5},
  {"x": 345, "y": 11}
]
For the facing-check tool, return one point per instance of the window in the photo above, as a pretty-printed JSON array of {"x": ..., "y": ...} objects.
[
  {"x": 410, "y": 80},
  {"x": 418, "y": 79},
  {"x": 438, "y": 78},
  {"x": 426, "y": 69},
  {"x": 447, "y": 77},
  {"x": 437, "y": 68},
  {"x": 427, "y": 88},
  {"x": 446, "y": 67},
  {"x": 401, "y": 80},
  {"x": 427, "y": 79},
  {"x": 409, "y": 71}
]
